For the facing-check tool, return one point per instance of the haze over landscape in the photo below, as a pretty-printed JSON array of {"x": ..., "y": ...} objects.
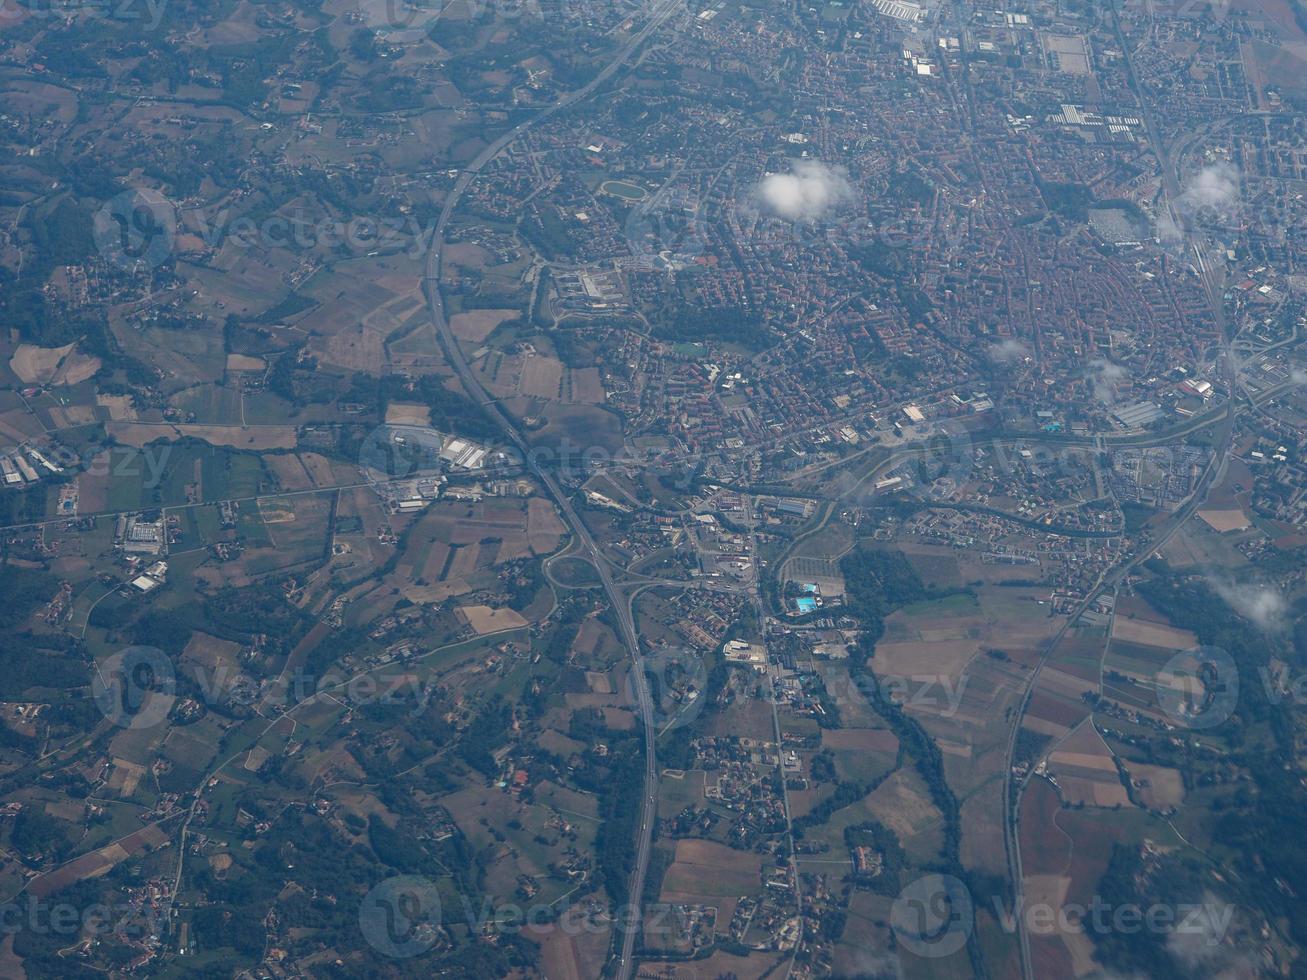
[{"x": 676, "y": 489}]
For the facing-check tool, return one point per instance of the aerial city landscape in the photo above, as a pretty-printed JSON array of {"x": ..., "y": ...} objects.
[{"x": 680, "y": 489}]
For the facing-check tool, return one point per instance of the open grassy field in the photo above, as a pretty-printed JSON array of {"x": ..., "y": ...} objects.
[
  {"x": 475, "y": 326},
  {"x": 1086, "y": 771},
  {"x": 860, "y": 754},
  {"x": 709, "y": 873},
  {"x": 52, "y": 365},
  {"x": 510, "y": 831},
  {"x": 571, "y": 949},
  {"x": 237, "y": 437},
  {"x": 453, "y": 546}
]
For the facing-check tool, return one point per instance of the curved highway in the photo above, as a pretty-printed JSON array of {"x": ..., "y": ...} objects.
[{"x": 628, "y": 920}]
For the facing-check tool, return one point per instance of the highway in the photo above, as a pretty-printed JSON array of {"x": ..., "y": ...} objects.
[{"x": 628, "y": 919}]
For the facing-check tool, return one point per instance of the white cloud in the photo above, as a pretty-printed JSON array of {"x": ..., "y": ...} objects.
[
  {"x": 1262, "y": 605},
  {"x": 1212, "y": 194},
  {"x": 806, "y": 193},
  {"x": 1103, "y": 377},
  {"x": 1009, "y": 350},
  {"x": 1200, "y": 942},
  {"x": 1168, "y": 232},
  {"x": 1215, "y": 188}
]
